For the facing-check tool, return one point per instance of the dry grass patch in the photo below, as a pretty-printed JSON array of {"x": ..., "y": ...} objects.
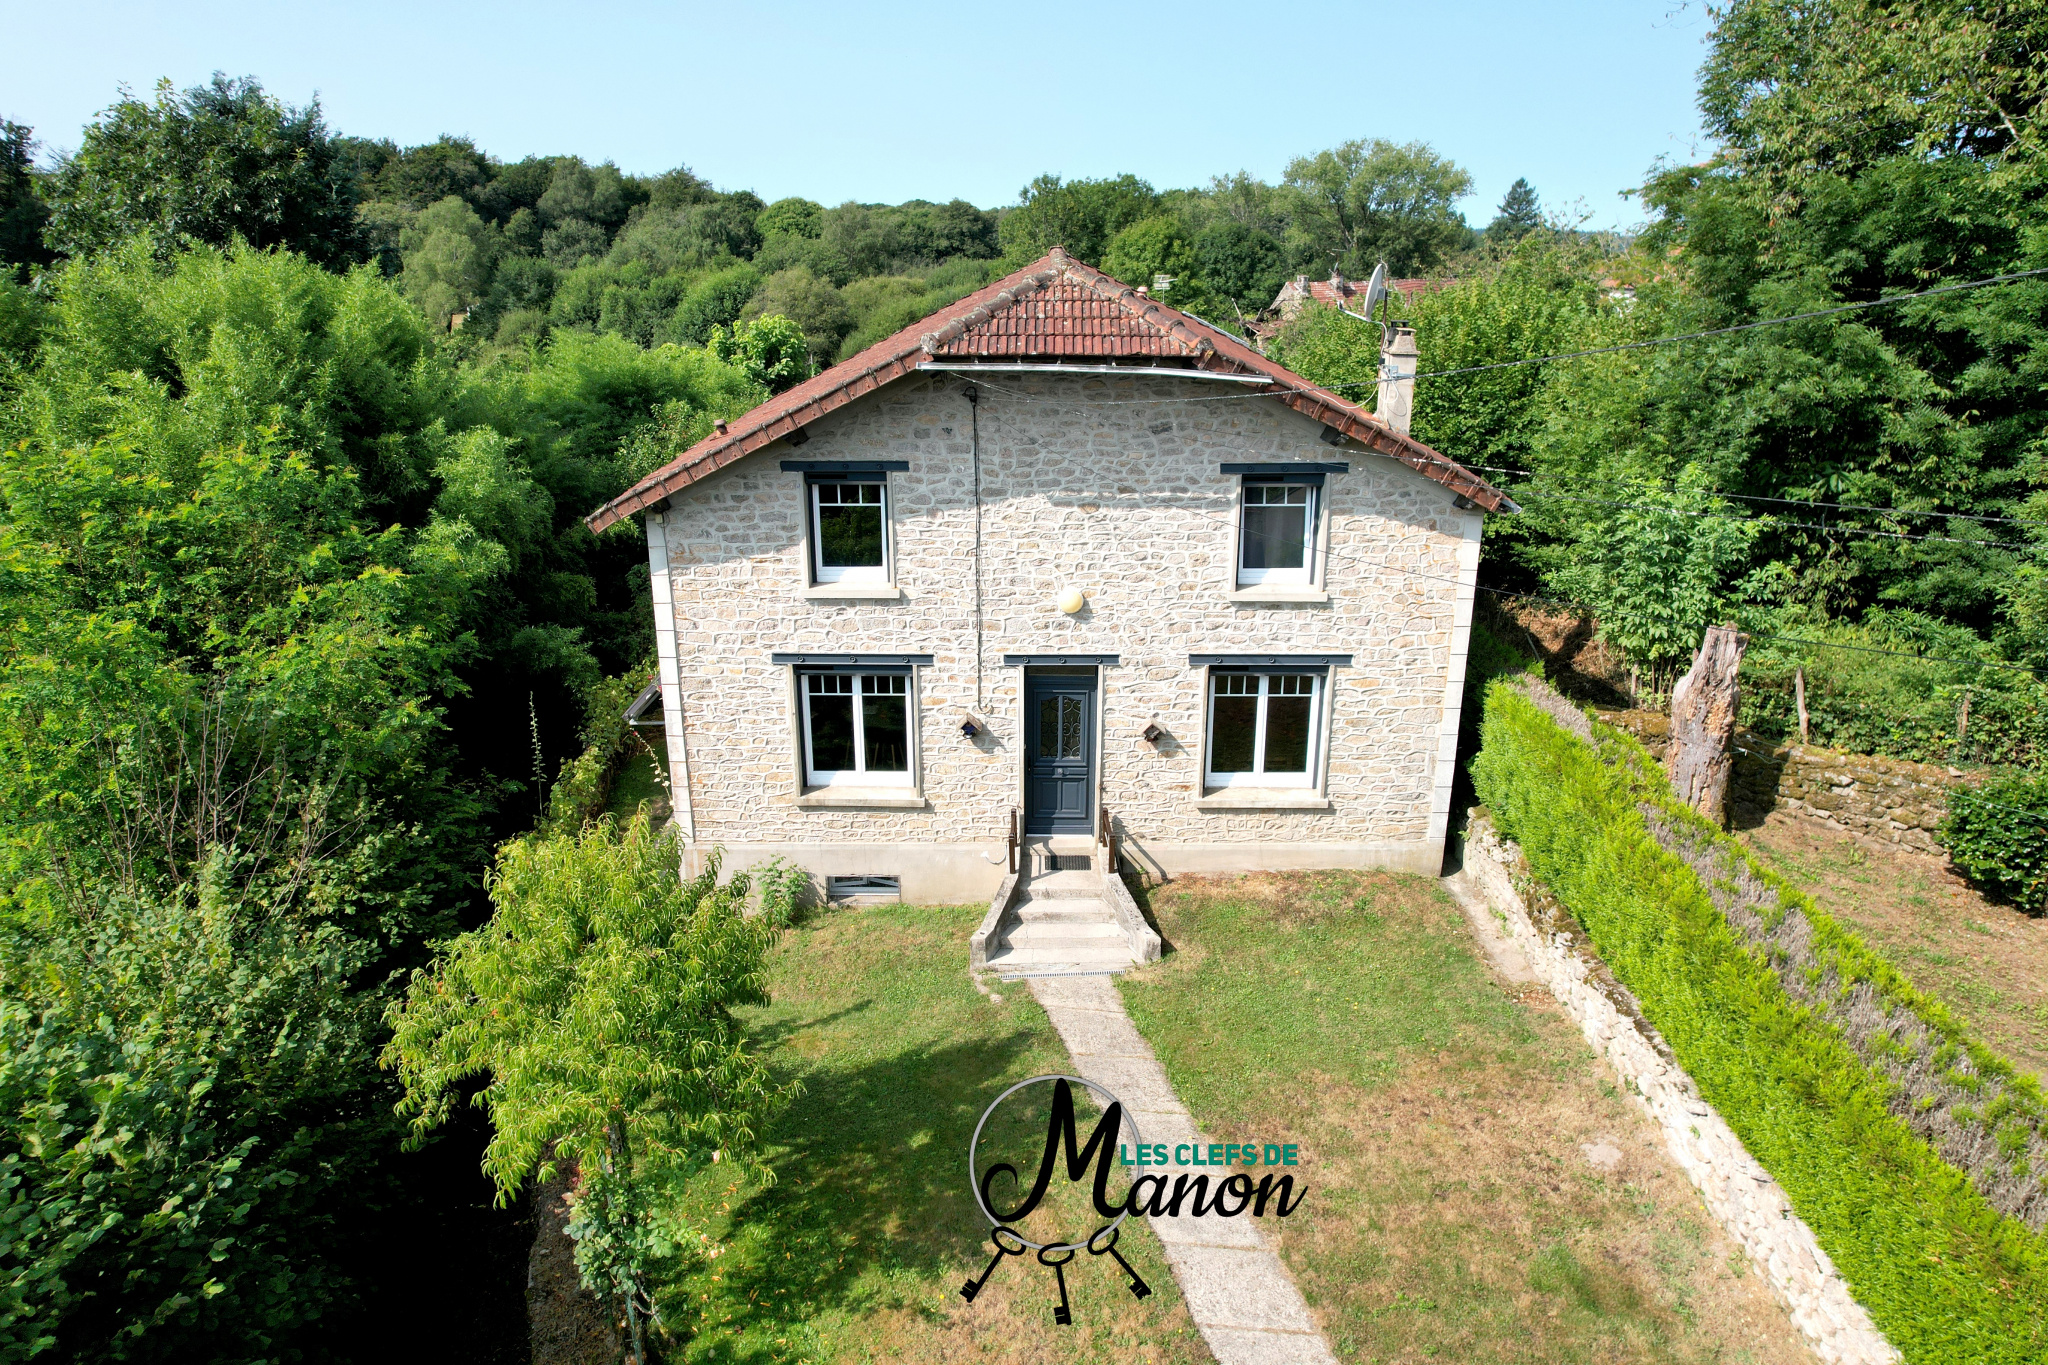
[
  {"x": 1987, "y": 962},
  {"x": 1478, "y": 1187}
]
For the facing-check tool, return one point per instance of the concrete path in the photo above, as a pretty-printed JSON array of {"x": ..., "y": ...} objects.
[{"x": 1239, "y": 1293}]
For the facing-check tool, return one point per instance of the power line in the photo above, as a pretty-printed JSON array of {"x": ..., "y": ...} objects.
[
  {"x": 1804, "y": 502},
  {"x": 1887, "y": 301},
  {"x": 1676, "y": 511},
  {"x": 1770, "y": 521},
  {"x": 1582, "y": 608}
]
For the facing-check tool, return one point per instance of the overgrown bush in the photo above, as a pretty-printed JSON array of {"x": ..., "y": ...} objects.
[
  {"x": 1866, "y": 695},
  {"x": 1998, "y": 835},
  {"x": 1830, "y": 1106}
]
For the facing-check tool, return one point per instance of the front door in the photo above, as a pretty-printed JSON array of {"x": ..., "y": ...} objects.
[{"x": 1059, "y": 752}]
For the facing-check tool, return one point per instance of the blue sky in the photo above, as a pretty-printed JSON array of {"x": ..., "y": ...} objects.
[{"x": 884, "y": 103}]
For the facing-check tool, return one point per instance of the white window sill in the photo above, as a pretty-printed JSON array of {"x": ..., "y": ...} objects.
[
  {"x": 1278, "y": 592},
  {"x": 862, "y": 798},
  {"x": 1263, "y": 798},
  {"x": 853, "y": 592}
]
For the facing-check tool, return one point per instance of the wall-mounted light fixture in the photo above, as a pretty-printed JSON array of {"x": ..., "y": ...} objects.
[
  {"x": 1071, "y": 600},
  {"x": 1153, "y": 734},
  {"x": 969, "y": 726}
]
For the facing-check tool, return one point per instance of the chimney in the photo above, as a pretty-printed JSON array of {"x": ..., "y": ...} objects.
[{"x": 1397, "y": 377}]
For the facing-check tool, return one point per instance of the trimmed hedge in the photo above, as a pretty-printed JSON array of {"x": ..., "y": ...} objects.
[{"x": 1949, "y": 1279}]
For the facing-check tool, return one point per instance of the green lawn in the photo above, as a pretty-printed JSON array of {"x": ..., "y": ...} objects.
[
  {"x": 1452, "y": 1212},
  {"x": 859, "y": 1249}
]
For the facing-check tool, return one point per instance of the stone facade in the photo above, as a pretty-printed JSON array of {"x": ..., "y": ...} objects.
[
  {"x": 1111, "y": 485},
  {"x": 1890, "y": 799},
  {"x": 1739, "y": 1193}
]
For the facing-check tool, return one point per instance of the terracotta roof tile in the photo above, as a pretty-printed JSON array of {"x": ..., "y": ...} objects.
[{"x": 1054, "y": 308}]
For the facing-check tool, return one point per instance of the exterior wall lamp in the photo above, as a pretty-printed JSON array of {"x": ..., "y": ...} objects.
[{"x": 1071, "y": 600}]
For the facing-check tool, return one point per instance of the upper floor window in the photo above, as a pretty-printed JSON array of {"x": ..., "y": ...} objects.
[
  {"x": 846, "y": 520},
  {"x": 1277, "y": 533},
  {"x": 849, "y": 531},
  {"x": 856, "y": 729},
  {"x": 1263, "y": 729},
  {"x": 1279, "y": 518}
]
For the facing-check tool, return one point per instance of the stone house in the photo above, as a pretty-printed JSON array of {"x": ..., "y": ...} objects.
[{"x": 1059, "y": 562}]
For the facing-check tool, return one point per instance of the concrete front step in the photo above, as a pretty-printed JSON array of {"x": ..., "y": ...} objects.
[
  {"x": 1032, "y": 934},
  {"x": 1098, "y": 959},
  {"x": 1063, "y": 912}
]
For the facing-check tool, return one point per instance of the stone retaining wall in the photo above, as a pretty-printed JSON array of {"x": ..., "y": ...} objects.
[
  {"x": 1881, "y": 798},
  {"x": 1738, "y": 1192}
]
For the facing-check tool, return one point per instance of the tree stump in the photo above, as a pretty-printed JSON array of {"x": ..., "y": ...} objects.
[{"x": 1703, "y": 723}]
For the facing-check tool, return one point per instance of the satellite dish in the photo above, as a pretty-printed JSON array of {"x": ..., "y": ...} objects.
[{"x": 1375, "y": 288}]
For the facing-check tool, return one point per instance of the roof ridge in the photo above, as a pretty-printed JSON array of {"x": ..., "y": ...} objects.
[
  {"x": 1142, "y": 307},
  {"x": 900, "y": 356},
  {"x": 1030, "y": 284}
]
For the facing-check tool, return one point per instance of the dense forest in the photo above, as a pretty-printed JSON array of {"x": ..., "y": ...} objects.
[{"x": 300, "y": 623}]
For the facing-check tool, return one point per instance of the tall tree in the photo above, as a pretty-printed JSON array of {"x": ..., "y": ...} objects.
[
  {"x": 1792, "y": 86},
  {"x": 22, "y": 212},
  {"x": 1519, "y": 214},
  {"x": 597, "y": 1007},
  {"x": 1367, "y": 201},
  {"x": 216, "y": 162}
]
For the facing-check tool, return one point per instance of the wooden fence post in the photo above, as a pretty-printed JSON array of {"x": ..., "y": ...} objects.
[
  {"x": 1703, "y": 722},
  {"x": 1799, "y": 698}
]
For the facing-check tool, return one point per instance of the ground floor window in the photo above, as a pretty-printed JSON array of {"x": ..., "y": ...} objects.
[
  {"x": 856, "y": 728},
  {"x": 1263, "y": 729}
]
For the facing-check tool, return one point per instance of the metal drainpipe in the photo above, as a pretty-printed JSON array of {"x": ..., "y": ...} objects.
[
  {"x": 662, "y": 590},
  {"x": 974, "y": 447}
]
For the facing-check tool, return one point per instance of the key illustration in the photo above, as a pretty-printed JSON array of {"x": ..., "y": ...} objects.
[
  {"x": 1057, "y": 1257},
  {"x": 973, "y": 1287},
  {"x": 1107, "y": 1236}
]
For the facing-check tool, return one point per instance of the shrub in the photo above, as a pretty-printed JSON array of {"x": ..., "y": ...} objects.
[
  {"x": 1943, "y": 1272},
  {"x": 1998, "y": 835}
]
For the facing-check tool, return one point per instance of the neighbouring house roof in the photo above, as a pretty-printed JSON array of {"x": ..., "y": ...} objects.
[
  {"x": 1339, "y": 292},
  {"x": 1058, "y": 310}
]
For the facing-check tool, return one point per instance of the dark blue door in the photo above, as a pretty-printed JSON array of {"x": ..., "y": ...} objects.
[{"x": 1059, "y": 752}]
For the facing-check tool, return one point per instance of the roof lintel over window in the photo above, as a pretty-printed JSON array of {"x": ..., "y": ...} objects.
[
  {"x": 851, "y": 660},
  {"x": 1032, "y": 660},
  {"x": 1298, "y": 471},
  {"x": 845, "y": 466},
  {"x": 1269, "y": 661}
]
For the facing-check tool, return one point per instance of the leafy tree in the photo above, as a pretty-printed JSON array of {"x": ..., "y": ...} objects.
[
  {"x": 1793, "y": 88},
  {"x": 811, "y": 303},
  {"x": 597, "y": 1007},
  {"x": 1518, "y": 216},
  {"x": 218, "y": 162},
  {"x": 1366, "y": 201},
  {"x": 1659, "y": 573},
  {"x": 22, "y": 211},
  {"x": 780, "y": 251},
  {"x": 1151, "y": 248},
  {"x": 1239, "y": 264},
  {"x": 429, "y": 173},
  {"x": 798, "y": 217},
  {"x": 1080, "y": 215},
  {"x": 770, "y": 350},
  {"x": 716, "y": 300},
  {"x": 450, "y": 254}
]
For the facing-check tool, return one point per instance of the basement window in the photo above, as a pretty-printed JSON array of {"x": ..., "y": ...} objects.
[{"x": 864, "y": 887}]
